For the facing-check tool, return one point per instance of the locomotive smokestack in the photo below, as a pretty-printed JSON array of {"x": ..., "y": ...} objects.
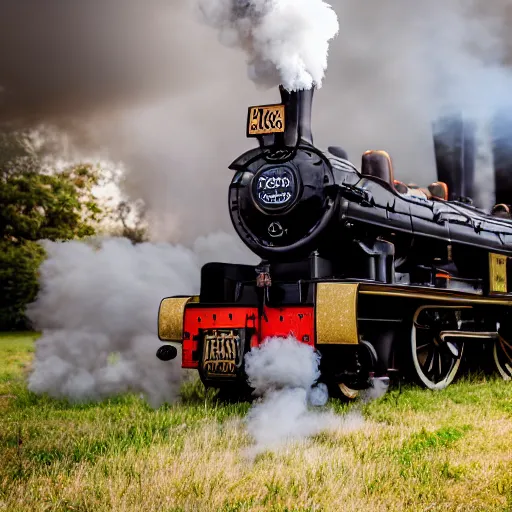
[
  {"x": 454, "y": 146},
  {"x": 297, "y": 120},
  {"x": 298, "y": 105},
  {"x": 305, "y": 104},
  {"x": 502, "y": 155}
]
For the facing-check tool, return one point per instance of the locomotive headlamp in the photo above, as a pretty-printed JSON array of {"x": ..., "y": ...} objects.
[{"x": 275, "y": 188}]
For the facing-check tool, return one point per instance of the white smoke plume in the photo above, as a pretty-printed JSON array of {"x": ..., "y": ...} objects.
[
  {"x": 286, "y": 41},
  {"x": 98, "y": 308},
  {"x": 393, "y": 68},
  {"x": 145, "y": 82},
  {"x": 153, "y": 89},
  {"x": 283, "y": 372},
  {"x": 377, "y": 390}
]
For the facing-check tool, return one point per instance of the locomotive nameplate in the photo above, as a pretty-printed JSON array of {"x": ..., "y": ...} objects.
[
  {"x": 497, "y": 273},
  {"x": 265, "y": 120},
  {"x": 221, "y": 352}
]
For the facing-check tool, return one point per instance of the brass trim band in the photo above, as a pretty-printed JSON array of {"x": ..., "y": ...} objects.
[
  {"x": 336, "y": 313},
  {"x": 497, "y": 273},
  {"x": 170, "y": 317},
  {"x": 389, "y": 291}
]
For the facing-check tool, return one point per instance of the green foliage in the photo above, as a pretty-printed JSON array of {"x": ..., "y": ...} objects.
[
  {"x": 36, "y": 204},
  {"x": 18, "y": 281}
]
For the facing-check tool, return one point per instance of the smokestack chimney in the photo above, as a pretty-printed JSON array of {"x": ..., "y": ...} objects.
[
  {"x": 454, "y": 146},
  {"x": 298, "y": 115},
  {"x": 502, "y": 155},
  {"x": 297, "y": 106}
]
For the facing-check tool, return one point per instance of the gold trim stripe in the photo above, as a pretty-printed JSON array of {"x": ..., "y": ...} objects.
[
  {"x": 422, "y": 293},
  {"x": 336, "y": 313}
]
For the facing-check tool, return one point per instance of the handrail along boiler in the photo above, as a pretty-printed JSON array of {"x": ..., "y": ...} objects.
[{"x": 382, "y": 278}]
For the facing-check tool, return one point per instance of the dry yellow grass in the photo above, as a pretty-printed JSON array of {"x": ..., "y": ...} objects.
[{"x": 416, "y": 450}]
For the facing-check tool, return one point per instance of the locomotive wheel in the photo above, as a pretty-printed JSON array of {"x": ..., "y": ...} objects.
[
  {"x": 435, "y": 362},
  {"x": 347, "y": 386},
  {"x": 502, "y": 354}
]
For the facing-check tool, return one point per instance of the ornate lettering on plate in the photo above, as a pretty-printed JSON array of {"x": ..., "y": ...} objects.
[
  {"x": 275, "y": 187},
  {"x": 221, "y": 352},
  {"x": 266, "y": 120}
]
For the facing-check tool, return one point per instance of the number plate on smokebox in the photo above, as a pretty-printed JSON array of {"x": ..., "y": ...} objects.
[
  {"x": 221, "y": 352},
  {"x": 265, "y": 120}
]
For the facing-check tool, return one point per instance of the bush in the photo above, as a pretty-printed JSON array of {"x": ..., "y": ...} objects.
[
  {"x": 19, "y": 264},
  {"x": 36, "y": 203}
]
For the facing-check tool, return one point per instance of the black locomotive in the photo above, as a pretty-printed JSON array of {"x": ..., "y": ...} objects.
[{"x": 381, "y": 278}]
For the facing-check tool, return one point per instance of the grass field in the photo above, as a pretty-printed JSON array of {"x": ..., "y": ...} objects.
[{"x": 416, "y": 450}]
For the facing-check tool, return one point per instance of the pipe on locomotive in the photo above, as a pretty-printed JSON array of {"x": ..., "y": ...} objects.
[
  {"x": 455, "y": 152},
  {"x": 298, "y": 108},
  {"x": 455, "y": 148}
]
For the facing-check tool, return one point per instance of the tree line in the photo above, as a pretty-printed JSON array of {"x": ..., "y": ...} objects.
[{"x": 39, "y": 203}]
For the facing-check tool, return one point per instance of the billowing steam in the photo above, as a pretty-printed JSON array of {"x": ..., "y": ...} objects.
[
  {"x": 147, "y": 83},
  {"x": 144, "y": 83},
  {"x": 286, "y": 41},
  {"x": 283, "y": 372},
  {"x": 98, "y": 307}
]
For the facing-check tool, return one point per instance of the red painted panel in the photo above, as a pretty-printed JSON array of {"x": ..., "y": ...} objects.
[
  {"x": 209, "y": 318},
  {"x": 297, "y": 321}
]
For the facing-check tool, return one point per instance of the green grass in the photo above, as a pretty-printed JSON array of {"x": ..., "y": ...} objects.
[
  {"x": 416, "y": 450},
  {"x": 16, "y": 351}
]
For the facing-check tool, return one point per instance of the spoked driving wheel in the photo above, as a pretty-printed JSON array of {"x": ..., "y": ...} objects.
[
  {"x": 435, "y": 359},
  {"x": 502, "y": 354}
]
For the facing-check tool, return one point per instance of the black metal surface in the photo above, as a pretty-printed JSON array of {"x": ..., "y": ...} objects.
[
  {"x": 298, "y": 107},
  {"x": 295, "y": 230},
  {"x": 166, "y": 353},
  {"x": 502, "y": 153},
  {"x": 454, "y": 146},
  {"x": 331, "y": 204},
  {"x": 315, "y": 215}
]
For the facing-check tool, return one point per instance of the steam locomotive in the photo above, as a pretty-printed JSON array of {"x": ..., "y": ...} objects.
[{"x": 382, "y": 278}]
